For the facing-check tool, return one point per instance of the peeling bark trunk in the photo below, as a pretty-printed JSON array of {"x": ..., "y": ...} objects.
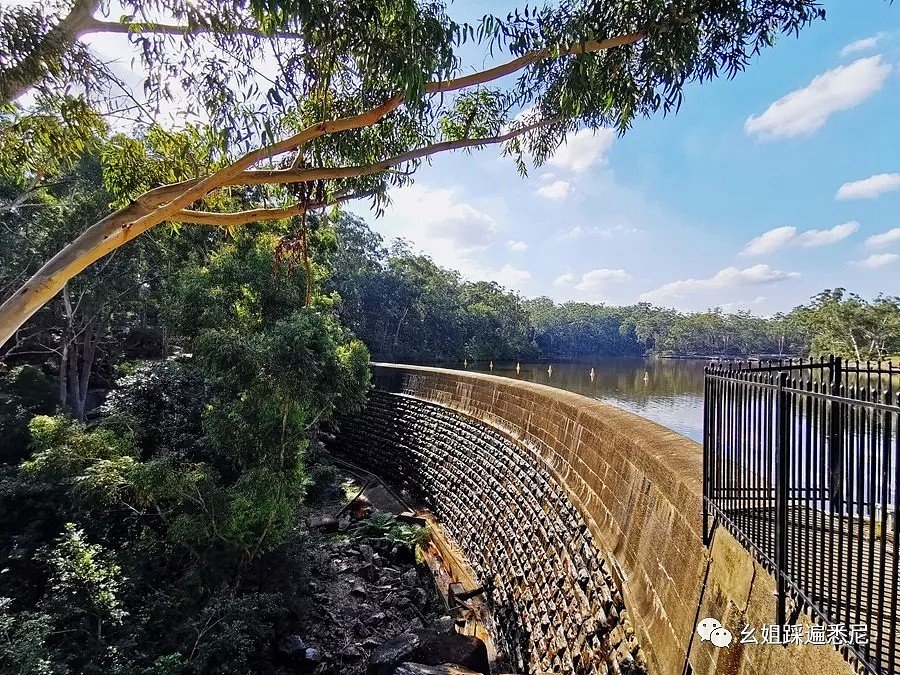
[
  {"x": 65, "y": 348},
  {"x": 76, "y": 405},
  {"x": 63, "y": 372},
  {"x": 397, "y": 332},
  {"x": 88, "y": 353}
]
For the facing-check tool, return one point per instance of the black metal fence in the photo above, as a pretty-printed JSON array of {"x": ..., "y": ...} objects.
[{"x": 801, "y": 465}]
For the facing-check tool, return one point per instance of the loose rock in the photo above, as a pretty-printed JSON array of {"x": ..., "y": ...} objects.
[
  {"x": 392, "y": 653},
  {"x": 466, "y": 650},
  {"x": 422, "y": 669}
]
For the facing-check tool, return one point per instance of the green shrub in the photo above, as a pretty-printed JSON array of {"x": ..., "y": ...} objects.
[
  {"x": 24, "y": 392},
  {"x": 160, "y": 404}
]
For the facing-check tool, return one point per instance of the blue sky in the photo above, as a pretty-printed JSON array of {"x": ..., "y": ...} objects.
[{"x": 761, "y": 192}]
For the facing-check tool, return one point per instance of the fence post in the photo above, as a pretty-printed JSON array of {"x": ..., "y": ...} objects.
[
  {"x": 782, "y": 476},
  {"x": 707, "y": 449},
  {"x": 836, "y": 436}
]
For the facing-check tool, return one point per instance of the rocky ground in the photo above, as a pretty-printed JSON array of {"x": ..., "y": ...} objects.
[{"x": 368, "y": 605}]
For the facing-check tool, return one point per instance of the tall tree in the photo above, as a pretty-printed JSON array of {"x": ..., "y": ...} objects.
[
  {"x": 364, "y": 91},
  {"x": 845, "y": 324},
  {"x": 101, "y": 313}
]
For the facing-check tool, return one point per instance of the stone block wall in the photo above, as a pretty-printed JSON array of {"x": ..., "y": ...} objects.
[
  {"x": 569, "y": 506},
  {"x": 556, "y": 602}
]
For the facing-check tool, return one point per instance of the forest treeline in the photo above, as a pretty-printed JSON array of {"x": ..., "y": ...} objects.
[{"x": 406, "y": 308}]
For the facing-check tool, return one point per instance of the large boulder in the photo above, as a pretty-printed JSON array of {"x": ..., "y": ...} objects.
[
  {"x": 392, "y": 653},
  {"x": 440, "y": 648},
  {"x": 430, "y": 648},
  {"x": 422, "y": 669}
]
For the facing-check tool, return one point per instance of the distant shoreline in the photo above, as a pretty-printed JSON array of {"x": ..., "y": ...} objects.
[{"x": 722, "y": 357}]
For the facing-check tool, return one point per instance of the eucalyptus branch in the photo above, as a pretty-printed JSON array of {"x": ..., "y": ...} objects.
[
  {"x": 304, "y": 175},
  {"x": 21, "y": 200},
  {"x": 295, "y": 176},
  {"x": 94, "y": 25},
  {"x": 517, "y": 64},
  {"x": 258, "y": 215},
  {"x": 186, "y": 192},
  {"x": 16, "y": 79}
]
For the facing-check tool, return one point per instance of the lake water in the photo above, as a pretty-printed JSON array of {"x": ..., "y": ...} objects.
[{"x": 667, "y": 391}]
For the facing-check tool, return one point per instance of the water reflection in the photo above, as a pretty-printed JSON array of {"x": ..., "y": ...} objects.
[{"x": 667, "y": 391}]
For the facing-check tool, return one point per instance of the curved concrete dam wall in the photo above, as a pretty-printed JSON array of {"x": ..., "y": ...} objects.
[{"x": 583, "y": 521}]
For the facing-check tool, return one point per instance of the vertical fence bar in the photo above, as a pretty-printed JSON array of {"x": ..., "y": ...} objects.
[
  {"x": 771, "y": 440},
  {"x": 759, "y": 480},
  {"x": 707, "y": 474},
  {"x": 835, "y": 461},
  {"x": 845, "y": 477},
  {"x": 822, "y": 538},
  {"x": 808, "y": 500},
  {"x": 886, "y": 466},
  {"x": 782, "y": 474},
  {"x": 874, "y": 463},
  {"x": 895, "y": 572}
]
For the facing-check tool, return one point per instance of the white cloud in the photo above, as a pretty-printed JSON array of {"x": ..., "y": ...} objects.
[
  {"x": 728, "y": 278},
  {"x": 770, "y": 241},
  {"x": 441, "y": 223},
  {"x": 869, "y": 188},
  {"x": 861, "y": 45},
  {"x": 884, "y": 239},
  {"x": 556, "y": 190},
  {"x": 546, "y": 177},
  {"x": 614, "y": 230},
  {"x": 517, "y": 246},
  {"x": 564, "y": 279},
  {"x": 574, "y": 233},
  {"x": 597, "y": 279},
  {"x": 436, "y": 217},
  {"x": 826, "y": 237},
  {"x": 739, "y": 305},
  {"x": 583, "y": 149},
  {"x": 510, "y": 276},
  {"x": 605, "y": 232},
  {"x": 781, "y": 237},
  {"x": 805, "y": 110},
  {"x": 877, "y": 260}
]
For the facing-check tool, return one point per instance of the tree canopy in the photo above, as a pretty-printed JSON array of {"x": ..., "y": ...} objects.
[{"x": 300, "y": 105}]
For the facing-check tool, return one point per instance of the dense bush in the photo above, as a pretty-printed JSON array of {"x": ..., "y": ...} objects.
[
  {"x": 25, "y": 391},
  {"x": 159, "y": 403},
  {"x": 144, "y": 540}
]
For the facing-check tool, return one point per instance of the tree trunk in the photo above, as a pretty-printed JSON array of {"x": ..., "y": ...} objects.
[
  {"x": 88, "y": 352},
  {"x": 65, "y": 348},
  {"x": 75, "y": 403},
  {"x": 397, "y": 332},
  {"x": 63, "y": 372},
  {"x": 855, "y": 346},
  {"x": 19, "y": 78},
  {"x": 98, "y": 240}
]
